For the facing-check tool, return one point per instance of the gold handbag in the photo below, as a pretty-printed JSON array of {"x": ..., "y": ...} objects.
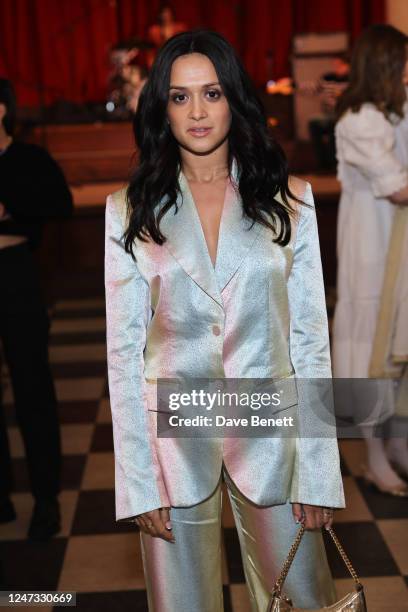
[{"x": 352, "y": 602}]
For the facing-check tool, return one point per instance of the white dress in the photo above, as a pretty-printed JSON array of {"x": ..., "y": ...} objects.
[{"x": 372, "y": 155}]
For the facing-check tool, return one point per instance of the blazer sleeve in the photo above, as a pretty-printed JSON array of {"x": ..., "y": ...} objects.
[
  {"x": 127, "y": 297},
  {"x": 309, "y": 335},
  {"x": 317, "y": 476}
]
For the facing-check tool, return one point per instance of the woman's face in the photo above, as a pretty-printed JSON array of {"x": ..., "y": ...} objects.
[{"x": 196, "y": 101}]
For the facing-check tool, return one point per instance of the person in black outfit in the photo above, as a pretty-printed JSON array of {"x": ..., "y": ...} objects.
[{"x": 32, "y": 190}]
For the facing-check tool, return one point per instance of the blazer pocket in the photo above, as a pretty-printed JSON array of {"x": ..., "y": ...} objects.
[
  {"x": 156, "y": 396},
  {"x": 281, "y": 391}
]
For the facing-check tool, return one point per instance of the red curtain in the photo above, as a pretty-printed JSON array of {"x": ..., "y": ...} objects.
[{"x": 60, "y": 49}]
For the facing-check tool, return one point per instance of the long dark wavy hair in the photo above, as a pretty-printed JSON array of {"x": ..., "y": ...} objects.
[
  {"x": 377, "y": 65},
  {"x": 261, "y": 161}
]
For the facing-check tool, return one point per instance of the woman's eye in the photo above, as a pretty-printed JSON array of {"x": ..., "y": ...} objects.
[
  {"x": 214, "y": 93},
  {"x": 176, "y": 96}
]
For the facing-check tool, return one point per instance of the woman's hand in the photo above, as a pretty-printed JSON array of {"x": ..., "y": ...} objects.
[
  {"x": 313, "y": 517},
  {"x": 399, "y": 197},
  {"x": 156, "y": 523}
]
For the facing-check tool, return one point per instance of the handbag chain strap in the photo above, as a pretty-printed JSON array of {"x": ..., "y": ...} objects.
[{"x": 288, "y": 562}]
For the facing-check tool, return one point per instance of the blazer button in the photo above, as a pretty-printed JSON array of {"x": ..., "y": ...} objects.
[{"x": 216, "y": 330}]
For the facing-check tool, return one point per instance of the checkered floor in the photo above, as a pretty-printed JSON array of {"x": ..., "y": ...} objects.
[{"x": 100, "y": 559}]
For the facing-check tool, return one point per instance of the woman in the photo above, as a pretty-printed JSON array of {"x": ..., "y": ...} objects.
[
  {"x": 224, "y": 296},
  {"x": 372, "y": 153}
]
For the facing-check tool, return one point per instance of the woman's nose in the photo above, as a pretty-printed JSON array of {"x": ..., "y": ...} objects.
[{"x": 197, "y": 110}]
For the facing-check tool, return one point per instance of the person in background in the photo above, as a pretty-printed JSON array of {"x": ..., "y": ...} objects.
[
  {"x": 135, "y": 77},
  {"x": 329, "y": 87},
  {"x": 372, "y": 153},
  {"x": 165, "y": 27},
  {"x": 32, "y": 190}
]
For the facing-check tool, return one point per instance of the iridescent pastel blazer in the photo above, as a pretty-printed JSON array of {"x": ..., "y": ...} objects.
[{"x": 259, "y": 313}]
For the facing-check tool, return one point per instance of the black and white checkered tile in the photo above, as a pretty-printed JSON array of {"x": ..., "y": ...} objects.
[{"x": 100, "y": 559}]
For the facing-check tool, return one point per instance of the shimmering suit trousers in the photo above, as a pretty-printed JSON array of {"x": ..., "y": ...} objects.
[{"x": 186, "y": 576}]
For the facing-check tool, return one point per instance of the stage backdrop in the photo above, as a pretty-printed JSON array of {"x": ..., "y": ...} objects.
[{"x": 59, "y": 49}]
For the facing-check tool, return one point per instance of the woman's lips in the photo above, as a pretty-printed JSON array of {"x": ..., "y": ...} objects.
[{"x": 199, "y": 132}]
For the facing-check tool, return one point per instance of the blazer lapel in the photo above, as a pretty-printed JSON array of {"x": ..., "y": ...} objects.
[
  {"x": 186, "y": 241},
  {"x": 235, "y": 236}
]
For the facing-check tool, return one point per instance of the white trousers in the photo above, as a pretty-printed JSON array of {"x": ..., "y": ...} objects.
[{"x": 186, "y": 576}]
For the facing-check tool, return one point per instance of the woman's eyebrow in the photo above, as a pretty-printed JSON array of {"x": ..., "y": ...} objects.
[{"x": 182, "y": 87}]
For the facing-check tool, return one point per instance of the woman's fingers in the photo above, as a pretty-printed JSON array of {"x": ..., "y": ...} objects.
[
  {"x": 318, "y": 517},
  {"x": 154, "y": 524},
  {"x": 310, "y": 519},
  {"x": 328, "y": 517},
  {"x": 165, "y": 517},
  {"x": 142, "y": 521},
  {"x": 141, "y": 524},
  {"x": 297, "y": 511},
  {"x": 166, "y": 522}
]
